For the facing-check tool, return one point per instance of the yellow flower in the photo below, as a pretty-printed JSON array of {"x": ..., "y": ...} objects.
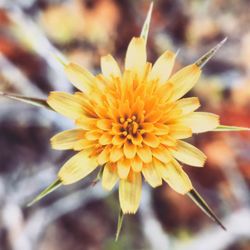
[{"x": 132, "y": 123}]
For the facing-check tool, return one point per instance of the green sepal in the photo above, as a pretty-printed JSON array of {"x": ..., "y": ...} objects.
[
  {"x": 56, "y": 184},
  {"x": 119, "y": 224},
  {"x": 146, "y": 25},
  {"x": 30, "y": 100},
  {"x": 201, "y": 62},
  {"x": 230, "y": 128},
  {"x": 62, "y": 60},
  {"x": 200, "y": 202}
]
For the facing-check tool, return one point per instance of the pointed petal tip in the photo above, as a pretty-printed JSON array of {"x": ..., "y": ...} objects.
[
  {"x": 202, "y": 61},
  {"x": 56, "y": 184},
  {"x": 119, "y": 225},
  {"x": 145, "y": 27},
  {"x": 226, "y": 128},
  {"x": 200, "y": 202}
]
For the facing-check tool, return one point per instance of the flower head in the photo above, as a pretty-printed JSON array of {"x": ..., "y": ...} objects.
[{"x": 132, "y": 123}]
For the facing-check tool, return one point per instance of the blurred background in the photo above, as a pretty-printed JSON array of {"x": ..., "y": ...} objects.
[{"x": 83, "y": 217}]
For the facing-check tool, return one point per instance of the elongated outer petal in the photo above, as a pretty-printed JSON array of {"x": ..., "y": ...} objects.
[
  {"x": 130, "y": 193},
  {"x": 110, "y": 67},
  {"x": 200, "y": 122},
  {"x": 66, "y": 139},
  {"x": 188, "y": 105},
  {"x": 65, "y": 104},
  {"x": 184, "y": 80},
  {"x": 163, "y": 67},
  {"x": 151, "y": 175},
  {"x": 109, "y": 177},
  {"x": 176, "y": 178},
  {"x": 188, "y": 154},
  {"x": 76, "y": 168},
  {"x": 80, "y": 77},
  {"x": 123, "y": 168},
  {"x": 136, "y": 55},
  {"x": 179, "y": 131}
]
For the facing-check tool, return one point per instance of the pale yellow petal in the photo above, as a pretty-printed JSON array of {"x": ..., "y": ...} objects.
[
  {"x": 104, "y": 124},
  {"x": 144, "y": 153},
  {"x": 130, "y": 193},
  {"x": 116, "y": 154},
  {"x": 129, "y": 150},
  {"x": 123, "y": 168},
  {"x": 188, "y": 105},
  {"x": 163, "y": 67},
  {"x": 80, "y": 77},
  {"x": 65, "y": 104},
  {"x": 105, "y": 139},
  {"x": 200, "y": 122},
  {"x": 188, "y": 154},
  {"x": 93, "y": 135},
  {"x": 136, "y": 164},
  {"x": 176, "y": 178},
  {"x": 76, "y": 168},
  {"x": 179, "y": 131},
  {"x": 110, "y": 67},
  {"x": 184, "y": 80},
  {"x": 136, "y": 56},
  {"x": 162, "y": 154},
  {"x": 151, "y": 140},
  {"x": 86, "y": 123},
  {"x": 103, "y": 157},
  {"x": 109, "y": 176},
  {"x": 151, "y": 175},
  {"x": 66, "y": 139}
]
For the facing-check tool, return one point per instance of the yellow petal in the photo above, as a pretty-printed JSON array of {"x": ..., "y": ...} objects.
[
  {"x": 65, "y": 104},
  {"x": 184, "y": 80},
  {"x": 163, "y": 67},
  {"x": 144, "y": 152},
  {"x": 137, "y": 139},
  {"x": 168, "y": 141},
  {"x": 80, "y": 77},
  {"x": 66, "y": 139},
  {"x": 110, "y": 67},
  {"x": 118, "y": 140},
  {"x": 93, "y": 135},
  {"x": 104, "y": 124},
  {"x": 188, "y": 154},
  {"x": 136, "y": 56},
  {"x": 188, "y": 105},
  {"x": 116, "y": 154},
  {"x": 161, "y": 153},
  {"x": 109, "y": 176},
  {"x": 200, "y": 122},
  {"x": 129, "y": 150},
  {"x": 161, "y": 129},
  {"x": 105, "y": 139},
  {"x": 130, "y": 193},
  {"x": 179, "y": 131},
  {"x": 123, "y": 167},
  {"x": 136, "y": 164},
  {"x": 76, "y": 168},
  {"x": 84, "y": 144},
  {"x": 151, "y": 175},
  {"x": 176, "y": 178},
  {"x": 151, "y": 140},
  {"x": 86, "y": 123},
  {"x": 103, "y": 157}
]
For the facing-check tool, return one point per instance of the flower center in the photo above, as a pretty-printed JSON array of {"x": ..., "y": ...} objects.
[{"x": 130, "y": 126}]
